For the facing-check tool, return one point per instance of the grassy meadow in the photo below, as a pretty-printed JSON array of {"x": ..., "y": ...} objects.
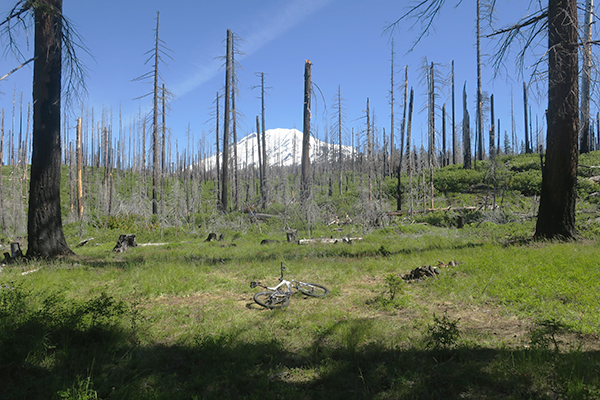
[{"x": 174, "y": 318}]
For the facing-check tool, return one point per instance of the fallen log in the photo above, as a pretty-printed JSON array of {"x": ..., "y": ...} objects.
[
  {"x": 84, "y": 241},
  {"x": 329, "y": 240}
]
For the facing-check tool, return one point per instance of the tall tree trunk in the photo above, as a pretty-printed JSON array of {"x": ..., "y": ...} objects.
[
  {"x": 305, "y": 166},
  {"x": 454, "y": 159},
  {"x": 556, "y": 217},
  {"x": 236, "y": 197},
  {"x": 155, "y": 153},
  {"x": 217, "y": 149},
  {"x": 479, "y": 93},
  {"x": 369, "y": 155},
  {"x": 392, "y": 131},
  {"x": 527, "y": 142},
  {"x": 340, "y": 156},
  {"x": 79, "y": 177},
  {"x": 444, "y": 151},
  {"x": 2, "y": 218},
  {"x": 163, "y": 150},
  {"x": 585, "y": 79},
  {"x": 402, "y": 129},
  {"x": 466, "y": 128},
  {"x": 431, "y": 149},
  {"x": 44, "y": 222},
  {"x": 492, "y": 129},
  {"x": 410, "y": 166},
  {"x": 265, "y": 164},
  {"x": 260, "y": 168},
  {"x": 223, "y": 205}
]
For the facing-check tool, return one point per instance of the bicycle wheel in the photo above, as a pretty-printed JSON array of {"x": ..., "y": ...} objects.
[
  {"x": 272, "y": 299},
  {"x": 312, "y": 289}
]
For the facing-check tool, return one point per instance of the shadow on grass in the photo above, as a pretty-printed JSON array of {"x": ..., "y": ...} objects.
[{"x": 107, "y": 363}]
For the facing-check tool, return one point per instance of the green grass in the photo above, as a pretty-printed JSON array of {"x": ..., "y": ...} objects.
[{"x": 177, "y": 321}]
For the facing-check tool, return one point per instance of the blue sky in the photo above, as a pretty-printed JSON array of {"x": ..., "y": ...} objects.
[{"x": 344, "y": 39}]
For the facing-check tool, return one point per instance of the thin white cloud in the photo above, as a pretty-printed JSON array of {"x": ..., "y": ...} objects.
[{"x": 274, "y": 23}]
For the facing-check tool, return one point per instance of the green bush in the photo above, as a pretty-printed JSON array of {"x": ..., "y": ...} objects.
[
  {"x": 585, "y": 187},
  {"x": 528, "y": 182},
  {"x": 456, "y": 179}
]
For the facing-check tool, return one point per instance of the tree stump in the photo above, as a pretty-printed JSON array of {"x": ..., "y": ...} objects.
[
  {"x": 124, "y": 243},
  {"x": 292, "y": 235}
]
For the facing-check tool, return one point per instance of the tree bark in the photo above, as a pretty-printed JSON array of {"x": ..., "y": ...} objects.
[
  {"x": 479, "y": 94},
  {"x": 223, "y": 204},
  {"x": 556, "y": 217},
  {"x": 265, "y": 164},
  {"x": 79, "y": 175},
  {"x": 453, "y": 120},
  {"x": 44, "y": 222},
  {"x": 304, "y": 186},
  {"x": 585, "y": 80},
  {"x": 527, "y": 143},
  {"x": 466, "y": 132},
  {"x": 155, "y": 156}
]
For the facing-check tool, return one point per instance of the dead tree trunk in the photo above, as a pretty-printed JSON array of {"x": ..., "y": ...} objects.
[
  {"x": 479, "y": 93},
  {"x": 265, "y": 164},
  {"x": 585, "y": 145},
  {"x": 527, "y": 143},
  {"x": 223, "y": 204},
  {"x": 492, "y": 129},
  {"x": 454, "y": 158},
  {"x": 155, "y": 154},
  {"x": 466, "y": 132},
  {"x": 305, "y": 166},
  {"x": 79, "y": 177}
]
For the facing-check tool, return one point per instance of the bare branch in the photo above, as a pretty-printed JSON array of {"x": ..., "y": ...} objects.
[
  {"x": 17, "y": 68},
  {"x": 425, "y": 12}
]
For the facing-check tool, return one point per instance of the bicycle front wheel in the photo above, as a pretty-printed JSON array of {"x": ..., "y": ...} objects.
[
  {"x": 312, "y": 289},
  {"x": 271, "y": 299}
]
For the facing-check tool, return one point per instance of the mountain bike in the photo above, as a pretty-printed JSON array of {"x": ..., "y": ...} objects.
[{"x": 279, "y": 296}]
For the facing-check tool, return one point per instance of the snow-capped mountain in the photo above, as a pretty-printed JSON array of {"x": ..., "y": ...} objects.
[{"x": 284, "y": 148}]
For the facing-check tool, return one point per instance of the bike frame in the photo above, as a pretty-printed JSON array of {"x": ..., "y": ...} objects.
[{"x": 289, "y": 285}]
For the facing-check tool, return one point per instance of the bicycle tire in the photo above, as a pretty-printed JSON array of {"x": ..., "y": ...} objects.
[
  {"x": 271, "y": 300},
  {"x": 312, "y": 289}
]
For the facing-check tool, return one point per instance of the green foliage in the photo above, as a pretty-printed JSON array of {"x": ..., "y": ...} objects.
[
  {"x": 528, "y": 182},
  {"x": 456, "y": 179},
  {"x": 443, "y": 333},
  {"x": 585, "y": 187},
  {"x": 82, "y": 389},
  {"x": 394, "y": 284},
  {"x": 546, "y": 332}
]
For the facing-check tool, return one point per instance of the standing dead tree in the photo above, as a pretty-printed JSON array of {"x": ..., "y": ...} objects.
[
  {"x": 305, "y": 163},
  {"x": 338, "y": 126},
  {"x": 466, "y": 130},
  {"x": 587, "y": 134},
  {"x": 155, "y": 56},
  {"x": 262, "y": 151},
  {"x": 223, "y": 200}
]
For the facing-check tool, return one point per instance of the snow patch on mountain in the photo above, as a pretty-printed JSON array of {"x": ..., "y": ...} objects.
[{"x": 284, "y": 148}]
